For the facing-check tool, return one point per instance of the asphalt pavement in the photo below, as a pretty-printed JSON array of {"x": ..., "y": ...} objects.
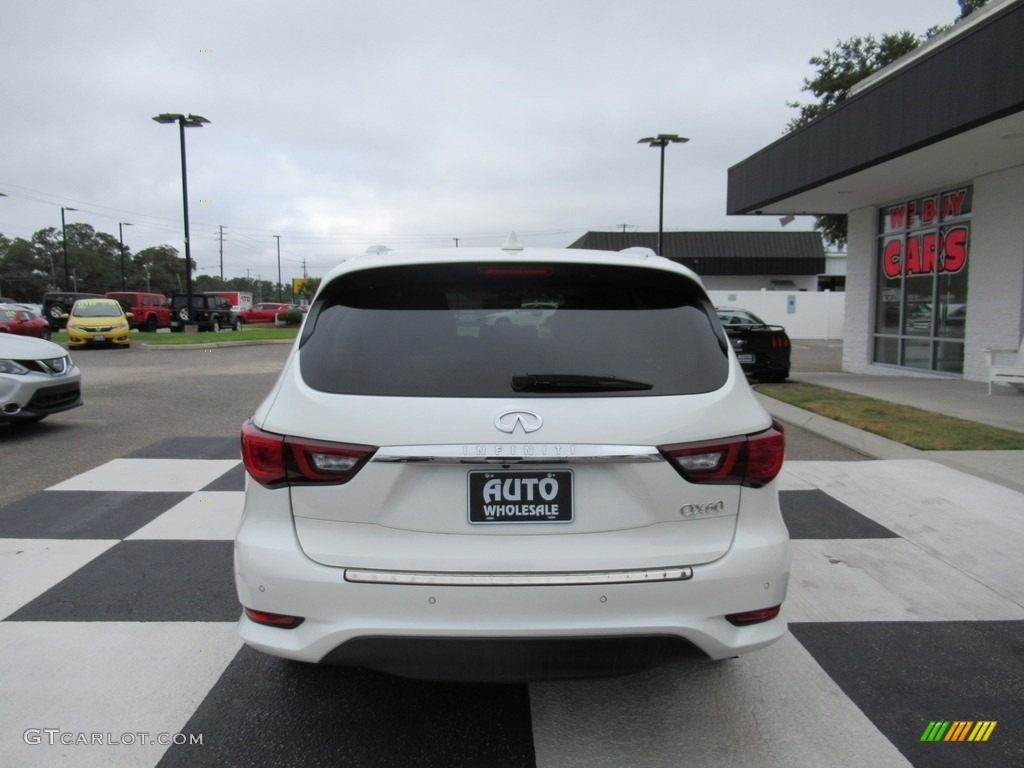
[{"x": 118, "y": 643}]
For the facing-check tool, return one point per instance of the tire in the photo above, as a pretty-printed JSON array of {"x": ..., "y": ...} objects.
[
  {"x": 54, "y": 311},
  {"x": 215, "y": 325},
  {"x": 46, "y": 335},
  {"x": 238, "y": 325},
  {"x": 184, "y": 314},
  {"x": 149, "y": 325}
]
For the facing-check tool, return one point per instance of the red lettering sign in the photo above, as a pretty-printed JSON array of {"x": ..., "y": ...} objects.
[
  {"x": 926, "y": 253},
  {"x": 929, "y": 207},
  {"x": 892, "y": 259},
  {"x": 954, "y": 250},
  {"x": 897, "y": 217},
  {"x": 953, "y": 203}
]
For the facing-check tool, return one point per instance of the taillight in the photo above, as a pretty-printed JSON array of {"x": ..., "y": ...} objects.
[
  {"x": 274, "y": 460},
  {"x": 753, "y": 617},
  {"x": 274, "y": 619},
  {"x": 750, "y": 460}
]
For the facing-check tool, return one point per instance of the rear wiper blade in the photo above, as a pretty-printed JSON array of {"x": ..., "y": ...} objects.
[{"x": 574, "y": 382}]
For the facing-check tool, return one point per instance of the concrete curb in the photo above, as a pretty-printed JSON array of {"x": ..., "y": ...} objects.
[
  {"x": 871, "y": 445},
  {"x": 976, "y": 463},
  {"x": 213, "y": 345}
]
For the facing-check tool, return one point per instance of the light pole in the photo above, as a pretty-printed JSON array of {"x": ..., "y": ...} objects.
[
  {"x": 120, "y": 233},
  {"x": 183, "y": 121},
  {"x": 278, "y": 267},
  {"x": 662, "y": 140},
  {"x": 64, "y": 241}
]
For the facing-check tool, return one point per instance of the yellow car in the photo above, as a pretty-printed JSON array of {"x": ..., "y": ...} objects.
[{"x": 98, "y": 321}]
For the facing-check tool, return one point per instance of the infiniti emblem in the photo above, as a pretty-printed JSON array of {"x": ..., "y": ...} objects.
[{"x": 507, "y": 421}]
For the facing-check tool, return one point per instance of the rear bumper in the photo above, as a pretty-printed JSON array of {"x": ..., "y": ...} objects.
[{"x": 507, "y": 632}]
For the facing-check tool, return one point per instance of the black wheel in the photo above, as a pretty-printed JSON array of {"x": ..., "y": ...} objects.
[
  {"x": 150, "y": 324},
  {"x": 238, "y": 324},
  {"x": 55, "y": 311},
  {"x": 215, "y": 325},
  {"x": 46, "y": 334},
  {"x": 184, "y": 314}
]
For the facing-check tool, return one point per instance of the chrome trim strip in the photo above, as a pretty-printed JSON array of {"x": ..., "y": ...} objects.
[
  {"x": 410, "y": 578},
  {"x": 517, "y": 453}
]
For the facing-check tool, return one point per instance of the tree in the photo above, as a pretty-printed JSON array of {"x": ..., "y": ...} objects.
[
  {"x": 309, "y": 287},
  {"x": 841, "y": 69},
  {"x": 838, "y": 71},
  {"x": 22, "y": 276},
  {"x": 159, "y": 268}
]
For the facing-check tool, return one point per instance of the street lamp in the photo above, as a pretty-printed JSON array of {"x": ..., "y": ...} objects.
[
  {"x": 662, "y": 140},
  {"x": 183, "y": 121},
  {"x": 64, "y": 240},
  {"x": 278, "y": 267},
  {"x": 120, "y": 233}
]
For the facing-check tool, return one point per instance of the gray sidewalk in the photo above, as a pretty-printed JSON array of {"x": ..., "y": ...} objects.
[{"x": 953, "y": 397}]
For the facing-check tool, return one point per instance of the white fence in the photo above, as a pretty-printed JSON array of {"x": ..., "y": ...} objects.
[{"x": 805, "y": 315}]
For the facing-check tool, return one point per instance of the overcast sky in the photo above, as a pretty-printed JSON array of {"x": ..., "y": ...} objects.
[{"x": 338, "y": 124}]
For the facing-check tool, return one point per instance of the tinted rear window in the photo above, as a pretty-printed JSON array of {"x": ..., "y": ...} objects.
[{"x": 471, "y": 330}]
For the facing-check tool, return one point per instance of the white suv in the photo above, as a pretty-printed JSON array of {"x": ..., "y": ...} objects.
[{"x": 437, "y": 496}]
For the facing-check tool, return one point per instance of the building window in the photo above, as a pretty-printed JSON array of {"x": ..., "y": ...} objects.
[{"x": 921, "y": 298}]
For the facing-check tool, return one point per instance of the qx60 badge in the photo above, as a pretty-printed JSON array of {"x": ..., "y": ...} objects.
[{"x": 507, "y": 421}]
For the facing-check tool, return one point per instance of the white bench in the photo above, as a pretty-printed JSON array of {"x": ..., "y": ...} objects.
[{"x": 1006, "y": 366}]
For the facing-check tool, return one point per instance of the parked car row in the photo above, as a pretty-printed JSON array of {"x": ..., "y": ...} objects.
[{"x": 151, "y": 311}]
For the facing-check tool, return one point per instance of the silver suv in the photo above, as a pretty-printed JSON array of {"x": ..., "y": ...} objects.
[{"x": 435, "y": 495}]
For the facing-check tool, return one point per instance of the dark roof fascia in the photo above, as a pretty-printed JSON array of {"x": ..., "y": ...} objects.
[
  {"x": 970, "y": 80},
  {"x": 724, "y": 252}
]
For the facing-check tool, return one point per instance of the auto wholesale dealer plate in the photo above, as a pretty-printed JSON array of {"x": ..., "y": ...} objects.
[{"x": 544, "y": 496}]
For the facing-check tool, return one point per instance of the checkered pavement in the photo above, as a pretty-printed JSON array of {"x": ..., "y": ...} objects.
[{"x": 118, "y": 644}]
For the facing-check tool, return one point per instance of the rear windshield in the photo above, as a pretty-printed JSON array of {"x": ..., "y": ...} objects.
[{"x": 504, "y": 329}]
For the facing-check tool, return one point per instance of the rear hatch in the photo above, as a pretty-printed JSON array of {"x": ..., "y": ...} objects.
[{"x": 489, "y": 437}]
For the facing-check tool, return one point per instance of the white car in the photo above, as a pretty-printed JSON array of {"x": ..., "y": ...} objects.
[
  {"x": 37, "y": 378},
  {"x": 436, "y": 498}
]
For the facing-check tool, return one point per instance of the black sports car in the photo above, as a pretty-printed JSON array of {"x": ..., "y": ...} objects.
[{"x": 762, "y": 349}]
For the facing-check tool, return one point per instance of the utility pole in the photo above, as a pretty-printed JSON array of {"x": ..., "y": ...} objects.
[
  {"x": 278, "y": 267},
  {"x": 221, "y": 227}
]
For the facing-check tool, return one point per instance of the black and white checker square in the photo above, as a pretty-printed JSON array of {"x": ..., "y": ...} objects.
[{"x": 118, "y": 635}]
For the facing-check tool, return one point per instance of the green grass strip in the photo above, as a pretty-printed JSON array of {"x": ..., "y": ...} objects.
[
  {"x": 924, "y": 430},
  {"x": 248, "y": 333}
]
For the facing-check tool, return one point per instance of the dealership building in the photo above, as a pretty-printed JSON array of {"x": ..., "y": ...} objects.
[{"x": 926, "y": 157}]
